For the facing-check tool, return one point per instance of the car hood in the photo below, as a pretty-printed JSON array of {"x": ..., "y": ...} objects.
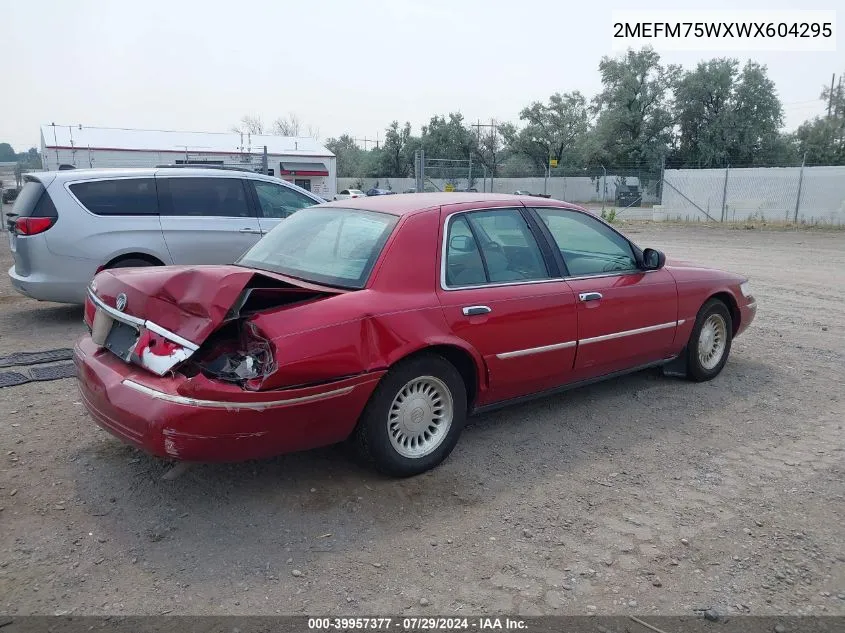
[{"x": 193, "y": 301}]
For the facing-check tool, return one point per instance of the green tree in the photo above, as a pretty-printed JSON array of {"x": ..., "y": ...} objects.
[
  {"x": 556, "y": 130},
  {"x": 350, "y": 157},
  {"x": 7, "y": 154},
  {"x": 728, "y": 117},
  {"x": 30, "y": 159},
  {"x": 447, "y": 138},
  {"x": 822, "y": 139},
  {"x": 635, "y": 119},
  {"x": 703, "y": 101},
  {"x": 394, "y": 158},
  {"x": 757, "y": 115}
]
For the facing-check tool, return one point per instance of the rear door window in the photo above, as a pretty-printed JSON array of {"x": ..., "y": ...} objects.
[
  {"x": 197, "y": 197},
  {"x": 120, "y": 196}
]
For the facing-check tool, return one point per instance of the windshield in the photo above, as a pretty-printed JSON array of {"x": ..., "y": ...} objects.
[{"x": 336, "y": 247}]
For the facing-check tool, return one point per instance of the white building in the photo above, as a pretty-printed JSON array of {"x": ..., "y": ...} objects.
[{"x": 301, "y": 160}]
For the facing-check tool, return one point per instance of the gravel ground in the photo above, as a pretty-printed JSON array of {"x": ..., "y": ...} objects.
[{"x": 644, "y": 495}]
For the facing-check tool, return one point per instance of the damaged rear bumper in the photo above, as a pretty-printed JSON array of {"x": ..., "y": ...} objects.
[{"x": 162, "y": 415}]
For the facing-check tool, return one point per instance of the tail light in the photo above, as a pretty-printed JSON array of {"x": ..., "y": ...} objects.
[{"x": 33, "y": 226}]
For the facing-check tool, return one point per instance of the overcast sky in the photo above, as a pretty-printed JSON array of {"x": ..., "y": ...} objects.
[{"x": 340, "y": 65}]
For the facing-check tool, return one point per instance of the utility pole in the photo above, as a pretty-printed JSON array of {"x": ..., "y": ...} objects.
[
  {"x": 830, "y": 96},
  {"x": 492, "y": 125},
  {"x": 800, "y": 183},
  {"x": 364, "y": 140},
  {"x": 469, "y": 172}
]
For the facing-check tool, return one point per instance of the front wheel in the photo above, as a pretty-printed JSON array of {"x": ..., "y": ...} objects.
[
  {"x": 414, "y": 417},
  {"x": 710, "y": 341}
]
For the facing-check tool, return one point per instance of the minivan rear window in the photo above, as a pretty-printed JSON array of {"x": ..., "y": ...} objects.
[
  {"x": 119, "y": 196},
  {"x": 33, "y": 201}
]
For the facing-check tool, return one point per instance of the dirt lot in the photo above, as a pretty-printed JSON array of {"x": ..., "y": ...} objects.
[{"x": 641, "y": 495}]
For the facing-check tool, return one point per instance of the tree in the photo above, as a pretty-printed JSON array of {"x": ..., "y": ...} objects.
[
  {"x": 249, "y": 124},
  {"x": 556, "y": 130},
  {"x": 704, "y": 103},
  {"x": 757, "y": 115},
  {"x": 30, "y": 159},
  {"x": 448, "y": 139},
  {"x": 290, "y": 126},
  {"x": 395, "y": 161},
  {"x": 352, "y": 161},
  {"x": 491, "y": 145},
  {"x": 822, "y": 139},
  {"x": 7, "y": 154},
  {"x": 635, "y": 120}
]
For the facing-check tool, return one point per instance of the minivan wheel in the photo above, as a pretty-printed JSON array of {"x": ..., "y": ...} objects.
[
  {"x": 132, "y": 262},
  {"x": 414, "y": 417},
  {"x": 710, "y": 342}
]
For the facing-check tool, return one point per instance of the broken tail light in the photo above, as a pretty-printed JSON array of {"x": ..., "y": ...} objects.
[
  {"x": 246, "y": 358},
  {"x": 157, "y": 354}
]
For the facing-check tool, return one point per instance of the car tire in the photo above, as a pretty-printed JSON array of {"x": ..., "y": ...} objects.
[
  {"x": 414, "y": 417},
  {"x": 131, "y": 262},
  {"x": 710, "y": 342}
]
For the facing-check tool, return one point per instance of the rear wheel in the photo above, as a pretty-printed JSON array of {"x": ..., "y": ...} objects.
[
  {"x": 710, "y": 341},
  {"x": 414, "y": 417}
]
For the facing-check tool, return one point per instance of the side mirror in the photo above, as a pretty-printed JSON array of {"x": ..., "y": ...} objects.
[
  {"x": 462, "y": 243},
  {"x": 653, "y": 259}
]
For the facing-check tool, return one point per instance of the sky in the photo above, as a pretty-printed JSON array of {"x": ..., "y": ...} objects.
[{"x": 342, "y": 66}]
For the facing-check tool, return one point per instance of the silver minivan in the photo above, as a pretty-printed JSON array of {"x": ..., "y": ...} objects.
[{"x": 66, "y": 226}]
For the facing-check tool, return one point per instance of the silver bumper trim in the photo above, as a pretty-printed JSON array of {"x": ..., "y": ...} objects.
[
  {"x": 224, "y": 404},
  {"x": 117, "y": 315}
]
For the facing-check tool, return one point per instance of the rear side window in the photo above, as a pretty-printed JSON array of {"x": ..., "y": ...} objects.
[
  {"x": 493, "y": 246},
  {"x": 34, "y": 202},
  {"x": 122, "y": 196},
  {"x": 278, "y": 201},
  {"x": 197, "y": 197}
]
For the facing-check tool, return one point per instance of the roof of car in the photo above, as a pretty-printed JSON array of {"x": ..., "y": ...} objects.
[
  {"x": 128, "y": 172},
  {"x": 409, "y": 203}
]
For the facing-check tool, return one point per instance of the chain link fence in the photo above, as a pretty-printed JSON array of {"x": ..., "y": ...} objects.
[{"x": 790, "y": 194}]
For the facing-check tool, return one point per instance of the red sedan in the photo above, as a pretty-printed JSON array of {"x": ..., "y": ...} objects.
[{"x": 388, "y": 320}]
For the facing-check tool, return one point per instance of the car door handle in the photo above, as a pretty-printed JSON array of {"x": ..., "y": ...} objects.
[
  {"x": 253, "y": 231},
  {"x": 590, "y": 296},
  {"x": 476, "y": 310}
]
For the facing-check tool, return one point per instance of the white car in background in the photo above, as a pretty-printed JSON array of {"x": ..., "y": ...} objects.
[{"x": 346, "y": 194}]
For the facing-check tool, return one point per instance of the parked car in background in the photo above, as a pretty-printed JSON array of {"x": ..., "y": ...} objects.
[
  {"x": 380, "y": 192},
  {"x": 628, "y": 196},
  {"x": 66, "y": 226},
  {"x": 357, "y": 319},
  {"x": 348, "y": 194},
  {"x": 10, "y": 195}
]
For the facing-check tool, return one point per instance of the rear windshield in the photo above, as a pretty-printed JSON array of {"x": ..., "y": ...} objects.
[
  {"x": 331, "y": 246},
  {"x": 29, "y": 202}
]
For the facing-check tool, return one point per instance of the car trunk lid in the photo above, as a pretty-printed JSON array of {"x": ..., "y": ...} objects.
[{"x": 158, "y": 317}]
